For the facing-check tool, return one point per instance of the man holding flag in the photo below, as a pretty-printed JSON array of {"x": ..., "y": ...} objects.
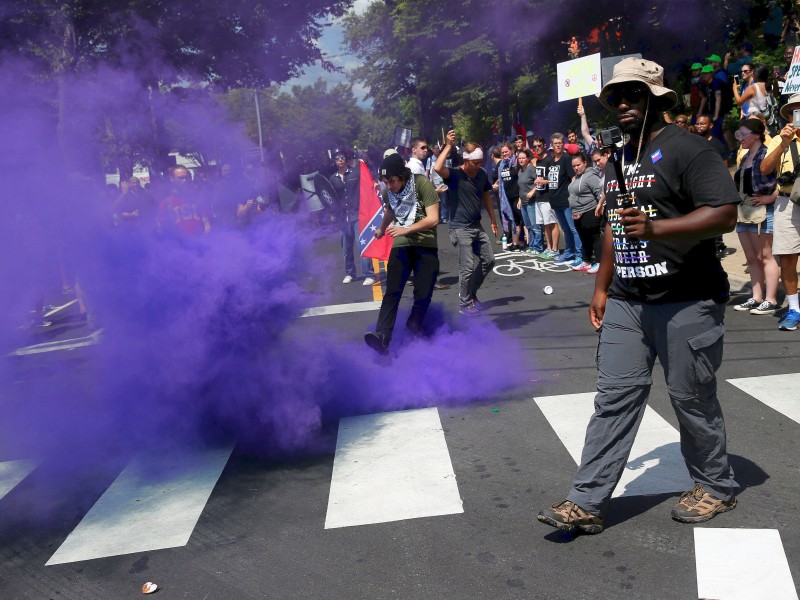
[
  {"x": 410, "y": 215},
  {"x": 348, "y": 182}
]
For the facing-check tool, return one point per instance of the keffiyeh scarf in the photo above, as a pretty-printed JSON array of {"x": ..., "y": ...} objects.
[{"x": 404, "y": 203}]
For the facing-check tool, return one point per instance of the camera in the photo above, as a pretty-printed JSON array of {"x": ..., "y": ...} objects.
[
  {"x": 611, "y": 136},
  {"x": 788, "y": 178}
]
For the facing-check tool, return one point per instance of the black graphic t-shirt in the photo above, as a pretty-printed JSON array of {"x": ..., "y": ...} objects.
[
  {"x": 559, "y": 174},
  {"x": 509, "y": 175},
  {"x": 677, "y": 173}
]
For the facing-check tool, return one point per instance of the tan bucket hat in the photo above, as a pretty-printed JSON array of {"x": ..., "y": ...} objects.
[
  {"x": 793, "y": 103},
  {"x": 643, "y": 71}
]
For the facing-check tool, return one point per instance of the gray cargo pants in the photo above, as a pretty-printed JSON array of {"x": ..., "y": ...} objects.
[
  {"x": 687, "y": 339},
  {"x": 475, "y": 259}
]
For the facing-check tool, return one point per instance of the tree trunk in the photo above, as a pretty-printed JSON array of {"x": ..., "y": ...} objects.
[
  {"x": 161, "y": 161},
  {"x": 502, "y": 92},
  {"x": 64, "y": 61},
  {"x": 420, "y": 113}
]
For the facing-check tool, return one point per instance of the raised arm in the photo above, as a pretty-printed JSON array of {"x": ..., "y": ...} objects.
[
  {"x": 440, "y": 167},
  {"x": 772, "y": 160},
  {"x": 587, "y": 136},
  {"x": 743, "y": 97}
]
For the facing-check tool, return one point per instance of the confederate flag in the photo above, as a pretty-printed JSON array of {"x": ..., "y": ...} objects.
[{"x": 370, "y": 214}]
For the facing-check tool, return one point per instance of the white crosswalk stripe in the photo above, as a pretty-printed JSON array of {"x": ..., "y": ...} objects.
[
  {"x": 655, "y": 465},
  {"x": 12, "y": 472},
  {"x": 155, "y": 503},
  {"x": 742, "y": 564},
  {"x": 779, "y": 392},
  {"x": 389, "y": 467}
]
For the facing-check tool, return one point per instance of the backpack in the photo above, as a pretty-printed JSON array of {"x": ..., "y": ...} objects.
[{"x": 770, "y": 114}]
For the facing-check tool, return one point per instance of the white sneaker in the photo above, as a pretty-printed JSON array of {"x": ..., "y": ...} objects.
[
  {"x": 347, "y": 279},
  {"x": 369, "y": 281},
  {"x": 593, "y": 269}
]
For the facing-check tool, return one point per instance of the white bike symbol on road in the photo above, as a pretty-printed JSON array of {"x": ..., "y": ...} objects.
[{"x": 513, "y": 267}]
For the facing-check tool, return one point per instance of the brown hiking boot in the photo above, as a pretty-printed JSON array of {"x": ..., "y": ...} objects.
[
  {"x": 697, "y": 505},
  {"x": 568, "y": 516}
]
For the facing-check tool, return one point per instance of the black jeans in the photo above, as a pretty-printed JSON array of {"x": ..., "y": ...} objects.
[
  {"x": 424, "y": 263},
  {"x": 588, "y": 227}
]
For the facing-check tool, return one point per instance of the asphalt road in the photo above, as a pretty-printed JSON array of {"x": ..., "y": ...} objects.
[{"x": 262, "y": 534}]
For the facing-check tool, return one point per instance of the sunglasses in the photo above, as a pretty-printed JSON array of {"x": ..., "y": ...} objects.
[
  {"x": 680, "y": 122},
  {"x": 745, "y": 72},
  {"x": 631, "y": 93}
]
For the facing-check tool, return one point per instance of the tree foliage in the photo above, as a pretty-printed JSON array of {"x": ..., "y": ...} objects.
[
  {"x": 464, "y": 60},
  {"x": 234, "y": 43},
  {"x": 308, "y": 118},
  {"x": 81, "y": 50}
]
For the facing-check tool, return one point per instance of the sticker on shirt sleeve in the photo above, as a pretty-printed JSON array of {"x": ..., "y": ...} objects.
[{"x": 656, "y": 156}]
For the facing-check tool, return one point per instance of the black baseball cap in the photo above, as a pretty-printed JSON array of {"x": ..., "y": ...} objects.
[{"x": 393, "y": 165}]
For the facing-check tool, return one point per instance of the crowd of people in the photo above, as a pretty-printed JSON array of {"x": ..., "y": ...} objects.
[
  {"x": 546, "y": 195},
  {"x": 550, "y": 193},
  {"x": 192, "y": 201}
]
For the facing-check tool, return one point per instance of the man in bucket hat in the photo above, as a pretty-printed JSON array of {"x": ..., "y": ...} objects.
[
  {"x": 782, "y": 154},
  {"x": 660, "y": 292}
]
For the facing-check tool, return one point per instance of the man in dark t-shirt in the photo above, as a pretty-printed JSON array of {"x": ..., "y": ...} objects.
[
  {"x": 703, "y": 126},
  {"x": 558, "y": 169},
  {"x": 660, "y": 292},
  {"x": 346, "y": 183},
  {"x": 469, "y": 187}
]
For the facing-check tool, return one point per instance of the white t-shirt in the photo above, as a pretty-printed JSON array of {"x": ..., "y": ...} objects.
[{"x": 416, "y": 166}]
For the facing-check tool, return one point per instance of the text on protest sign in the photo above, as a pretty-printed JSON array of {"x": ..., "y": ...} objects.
[
  {"x": 579, "y": 77},
  {"x": 792, "y": 85}
]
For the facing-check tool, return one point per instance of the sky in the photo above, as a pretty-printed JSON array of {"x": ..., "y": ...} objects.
[{"x": 331, "y": 44}]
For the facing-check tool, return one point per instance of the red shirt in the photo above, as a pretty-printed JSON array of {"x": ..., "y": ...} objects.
[{"x": 182, "y": 213}]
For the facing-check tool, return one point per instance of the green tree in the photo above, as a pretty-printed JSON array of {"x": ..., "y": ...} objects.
[
  {"x": 308, "y": 118},
  {"x": 463, "y": 60},
  {"x": 230, "y": 44}
]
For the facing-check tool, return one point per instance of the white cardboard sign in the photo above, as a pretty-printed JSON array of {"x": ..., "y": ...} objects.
[
  {"x": 792, "y": 85},
  {"x": 579, "y": 77}
]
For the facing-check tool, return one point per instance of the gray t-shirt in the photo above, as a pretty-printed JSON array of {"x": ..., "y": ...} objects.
[
  {"x": 585, "y": 191},
  {"x": 526, "y": 179}
]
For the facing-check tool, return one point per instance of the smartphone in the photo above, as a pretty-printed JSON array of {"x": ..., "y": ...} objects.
[{"x": 796, "y": 119}]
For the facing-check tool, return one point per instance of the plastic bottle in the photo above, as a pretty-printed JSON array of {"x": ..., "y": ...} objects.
[{"x": 504, "y": 241}]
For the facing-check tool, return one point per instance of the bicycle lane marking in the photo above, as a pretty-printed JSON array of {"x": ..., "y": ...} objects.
[{"x": 514, "y": 268}]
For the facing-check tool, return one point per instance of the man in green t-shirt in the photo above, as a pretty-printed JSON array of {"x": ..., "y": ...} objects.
[{"x": 411, "y": 214}]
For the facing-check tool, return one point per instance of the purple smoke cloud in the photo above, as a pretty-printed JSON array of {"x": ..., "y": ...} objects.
[{"x": 202, "y": 337}]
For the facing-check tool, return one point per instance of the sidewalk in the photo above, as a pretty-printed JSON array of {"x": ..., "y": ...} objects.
[{"x": 734, "y": 263}]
